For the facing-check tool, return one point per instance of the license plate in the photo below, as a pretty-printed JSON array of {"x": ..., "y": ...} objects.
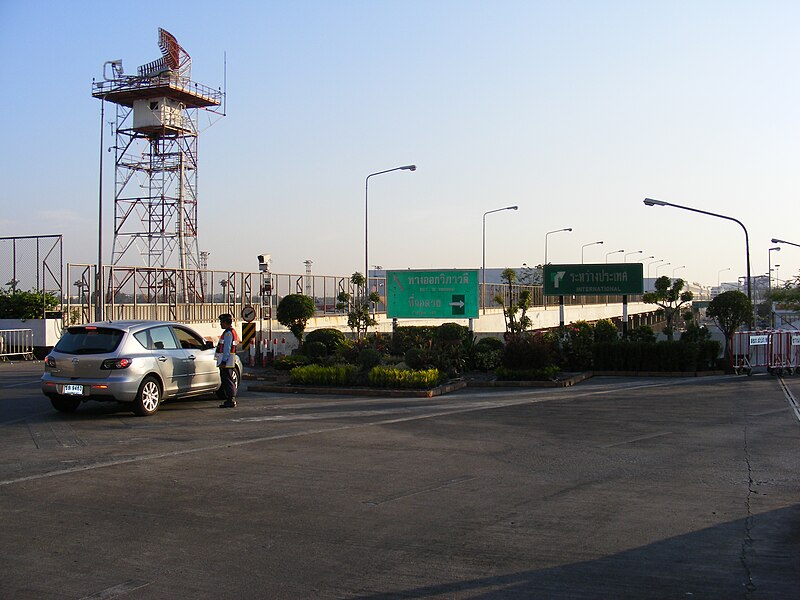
[{"x": 75, "y": 390}]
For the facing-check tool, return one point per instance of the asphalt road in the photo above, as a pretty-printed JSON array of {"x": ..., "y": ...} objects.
[{"x": 615, "y": 488}]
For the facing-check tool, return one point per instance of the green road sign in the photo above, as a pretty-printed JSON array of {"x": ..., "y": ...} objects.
[
  {"x": 432, "y": 294},
  {"x": 616, "y": 279}
]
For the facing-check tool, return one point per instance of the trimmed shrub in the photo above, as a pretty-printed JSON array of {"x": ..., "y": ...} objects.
[
  {"x": 412, "y": 337},
  {"x": 605, "y": 331},
  {"x": 319, "y": 375},
  {"x": 288, "y": 362},
  {"x": 369, "y": 358},
  {"x": 489, "y": 343},
  {"x": 398, "y": 378},
  {"x": 315, "y": 350},
  {"x": 527, "y": 351},
  {"x": 416, "y": 358},
  {"x": 642, "y": 333},
  {"x": 332, "y": 338},
  {"x": 487, "y": 354}
]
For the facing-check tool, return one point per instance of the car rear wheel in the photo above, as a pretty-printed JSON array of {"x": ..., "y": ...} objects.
[
  {"x": 148, "y": 399},
  {"x": 66, "y": 405}
]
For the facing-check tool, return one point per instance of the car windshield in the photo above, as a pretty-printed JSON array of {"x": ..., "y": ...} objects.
[{"x": 89, "y": 340}]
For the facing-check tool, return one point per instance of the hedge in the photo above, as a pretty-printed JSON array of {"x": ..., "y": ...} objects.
[
  {"x": 319, "y": 375},
  {"x": 661, "y": 356},
  {"x": 403, "y": 378}
]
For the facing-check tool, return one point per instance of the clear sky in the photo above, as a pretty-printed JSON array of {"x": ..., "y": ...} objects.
[{"x": 574, "y": 110}]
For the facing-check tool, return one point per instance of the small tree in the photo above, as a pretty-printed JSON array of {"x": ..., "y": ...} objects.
[
  {"x": 669, "y": 297},
  {"x": 294, "y": 311},
  {"x": 359, "y": 318},
  {"x": 787, "y": 297},
  {"x": 511, "y": 305},
  {"x": 729, "y": 310},
  {"x": 17, "y": 304}
]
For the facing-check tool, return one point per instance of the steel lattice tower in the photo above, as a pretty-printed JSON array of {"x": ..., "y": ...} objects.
[{"x": 155, "y": 199}]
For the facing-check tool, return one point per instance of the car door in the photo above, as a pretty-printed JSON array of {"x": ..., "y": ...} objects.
[
  {"x": 202, "y": 363},
  {"x": 172, "y": 360}
]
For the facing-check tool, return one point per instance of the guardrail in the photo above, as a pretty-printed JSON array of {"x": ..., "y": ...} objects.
[{"x": 16, "y": 342}]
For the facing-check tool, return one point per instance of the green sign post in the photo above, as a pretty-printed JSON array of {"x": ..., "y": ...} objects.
[
  {"x": 432, "y": 294},
  {"x": 616, "y": 279}
]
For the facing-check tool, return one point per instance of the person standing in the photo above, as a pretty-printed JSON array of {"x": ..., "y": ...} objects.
[{"x": 226, "y": 360}]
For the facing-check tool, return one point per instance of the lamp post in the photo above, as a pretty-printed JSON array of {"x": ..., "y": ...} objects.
[
  {"x": 366, "y": 220},
  {"x": 720, "y": 273},
  {"x": 675, "y": 269},
  {"x": 659, "y": 266},
  {"x": 589, "y": 244},
  {"x": 614, "y": 252},
  {"x": 98, "y": 311},
  {"x": 652, "y": 263},
  {"x": 545, "y": 240},
  {"x": 769, "y": 262},
  {"x": 652, "y": 202},
  {"x": 625, "y": 258},
  {"x": 483, "y": 264},
  {"x": 777, "y": 241}
]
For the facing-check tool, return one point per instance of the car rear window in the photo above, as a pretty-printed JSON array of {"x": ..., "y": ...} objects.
[{"x": 89, "y": 340}]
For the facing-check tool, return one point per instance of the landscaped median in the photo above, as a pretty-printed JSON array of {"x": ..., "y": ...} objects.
[{"x": 344, "y": 379}]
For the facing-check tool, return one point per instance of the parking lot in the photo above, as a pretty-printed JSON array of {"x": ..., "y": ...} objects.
[{"x": 615, "y": 488}]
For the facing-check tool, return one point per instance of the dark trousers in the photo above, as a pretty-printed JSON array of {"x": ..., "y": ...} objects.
[{"x": 229, "y": 387}]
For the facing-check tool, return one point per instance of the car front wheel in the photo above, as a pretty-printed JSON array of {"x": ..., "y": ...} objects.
[{"x": 148, "y": 399}]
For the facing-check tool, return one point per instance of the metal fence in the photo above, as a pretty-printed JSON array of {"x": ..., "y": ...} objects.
[
  {"x": 195, "y": 296},
  {"x": 32, "y": 263},
  {"x": 16, "y": 343},
  {"x": 777, "y": 350}
]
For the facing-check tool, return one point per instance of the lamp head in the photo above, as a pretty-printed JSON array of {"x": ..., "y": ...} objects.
[
  {"x": 568, "y": 229},
  {"x": 651, "y": 202},
  {"x": 778, "y": 248},
  {"x": 777, "y": 241},
  {"x": 409, "y": 168},
  {"x": 513, "y": 207}
]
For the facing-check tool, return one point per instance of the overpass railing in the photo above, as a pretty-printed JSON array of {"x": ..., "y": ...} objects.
[{"x": 200, "y": 296}]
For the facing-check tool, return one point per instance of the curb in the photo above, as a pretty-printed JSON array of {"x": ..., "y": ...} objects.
[
  {"x": 534, "y": 384},
  {"x": 279, "y": 388},
  {"x": 657, "y": 373}
]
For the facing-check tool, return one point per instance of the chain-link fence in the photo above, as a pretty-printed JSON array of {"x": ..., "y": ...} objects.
[{"x": 32, "y": 263}]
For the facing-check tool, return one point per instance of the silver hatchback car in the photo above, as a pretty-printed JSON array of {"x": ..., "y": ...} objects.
[{"x": 136, "y": 362}]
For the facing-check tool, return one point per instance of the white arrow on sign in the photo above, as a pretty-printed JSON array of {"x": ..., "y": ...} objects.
[
  {"x": 557, "y": 277},
  {"x": 459, "y": 304}
]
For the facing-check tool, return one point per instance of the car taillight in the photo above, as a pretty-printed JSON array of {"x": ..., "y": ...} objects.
[
  {"x": 49, "y": 361},
  {"x": 116, "y": 363}
]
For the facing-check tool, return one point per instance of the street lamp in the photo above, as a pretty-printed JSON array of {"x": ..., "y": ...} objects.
[
  {"x": 625, "y": 258},
  {"x": 366, "y": 219},
  {"x": 545, "y": 240},
  {"x": 652, "y": 263},
  {"x": 676, "y": 268},
  {"x": 659, "y": 266},
  {"x": 614, "y": 252},
  {"x": 586, "y": 245},
  {"x": 720, "y": 273},
  {"x": 769, "y": 262},
  {"x": 483, "y": 268},
  {"x": 777, "y": 241},
  {"x": 651, "y": 202}
]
